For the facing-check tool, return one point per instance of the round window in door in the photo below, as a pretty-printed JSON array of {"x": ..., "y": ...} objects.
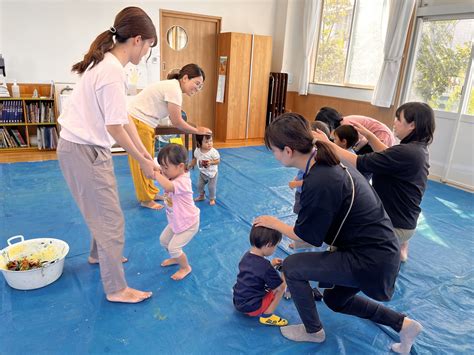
[{"x": 177, "y": 38}]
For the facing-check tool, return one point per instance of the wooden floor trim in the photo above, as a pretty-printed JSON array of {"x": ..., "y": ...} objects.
[{"x": 29, "y": 156}]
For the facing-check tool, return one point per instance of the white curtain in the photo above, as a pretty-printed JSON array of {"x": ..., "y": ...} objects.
[
  {"x": 311, "y": 20},
  {"x": 398, "y": 20}
]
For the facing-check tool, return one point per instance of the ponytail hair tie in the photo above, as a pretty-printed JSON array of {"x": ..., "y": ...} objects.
[
  {"x": 314, "y": 141},
  {"x": 112, "y": 30}
]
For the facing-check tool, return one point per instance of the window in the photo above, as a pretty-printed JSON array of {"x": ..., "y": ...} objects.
[
  {"x": 349, "y": 50},
  {"x": 442, "y": 61},
  {"x": 470, "y": 104}
]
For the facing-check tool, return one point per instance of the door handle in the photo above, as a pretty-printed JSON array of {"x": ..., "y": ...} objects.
[{"x": 163, "y": 66}]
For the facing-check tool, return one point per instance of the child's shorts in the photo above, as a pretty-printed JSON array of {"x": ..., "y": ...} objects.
[{"x": 266, "y": 300}]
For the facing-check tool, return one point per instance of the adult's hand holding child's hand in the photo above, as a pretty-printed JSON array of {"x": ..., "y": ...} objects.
[
  {"x": 147, "y": 155},
  {"x": 148, "y": 168}
]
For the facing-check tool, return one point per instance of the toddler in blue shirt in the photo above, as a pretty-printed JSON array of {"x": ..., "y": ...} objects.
[{"x": 259, "y": 287}]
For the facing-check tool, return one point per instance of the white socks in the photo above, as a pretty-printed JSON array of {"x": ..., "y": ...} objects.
[
  {"x": 409, "y": 332},
  {"x": 298, "y": 333}
]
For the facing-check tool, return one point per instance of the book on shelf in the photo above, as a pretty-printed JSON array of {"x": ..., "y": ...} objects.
[
  {"x": 3, "y": 142},
  {"x": 40, "y": 112},
  {"x": 15, "y": 139},
  {"x": 19, "y": 138},
  {"x": 47, "y": 137},
  {"x": 8, "y": 140},
  {"x": 11, "y": 140},
  {"x": 40, "y": 138},
  {"x": 11, "y": 111}
]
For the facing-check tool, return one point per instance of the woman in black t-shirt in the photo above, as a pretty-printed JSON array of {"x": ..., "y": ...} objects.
[
  {"x": 338, "y": 207},
  {"x": 400, "y": 172}
]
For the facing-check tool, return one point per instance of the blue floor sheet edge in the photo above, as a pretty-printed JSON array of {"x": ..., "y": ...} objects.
[{"x": 196, "y": 315}]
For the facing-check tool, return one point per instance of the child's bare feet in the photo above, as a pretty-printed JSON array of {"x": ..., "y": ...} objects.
[
  {"x": 128, "y": 295},
  {"x": 212, "y": 202},
  {"x": 181, "y": 273},
  {"x": 92, "y": 260},
  {"x": 151, "y": 205},
  {"x": 169, "y": 262},
  {"x": 200, "y": 198}
]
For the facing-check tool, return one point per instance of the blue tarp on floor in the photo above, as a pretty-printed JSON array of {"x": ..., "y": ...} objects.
[{"x": 196, "y": 315}]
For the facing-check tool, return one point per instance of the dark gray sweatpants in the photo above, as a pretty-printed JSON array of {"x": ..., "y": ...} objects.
[{"x": 332, "y": 268}]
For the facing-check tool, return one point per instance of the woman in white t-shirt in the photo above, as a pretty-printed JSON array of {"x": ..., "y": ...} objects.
[
  {"x": 95, "y": 113},
  {"x": 160, "y": 104}
]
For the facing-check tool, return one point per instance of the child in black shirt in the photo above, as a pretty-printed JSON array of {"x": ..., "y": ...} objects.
[
  {"x": 346, "y": 137},
  {"x": 259, "y": 287}
]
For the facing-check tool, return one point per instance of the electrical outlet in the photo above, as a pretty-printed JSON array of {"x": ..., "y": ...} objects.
[{"x": 290, "y": 78}]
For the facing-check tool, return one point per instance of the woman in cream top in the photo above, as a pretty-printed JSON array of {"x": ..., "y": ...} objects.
[{"x": 160, "y": 104}]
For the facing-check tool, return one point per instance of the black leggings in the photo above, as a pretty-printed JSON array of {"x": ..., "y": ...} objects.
[{"x": 333, "y": 268}]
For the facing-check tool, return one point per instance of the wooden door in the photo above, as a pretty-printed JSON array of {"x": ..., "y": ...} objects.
[{"x": 201, "y": 49}]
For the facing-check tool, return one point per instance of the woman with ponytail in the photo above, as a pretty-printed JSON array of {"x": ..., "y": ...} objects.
[
  {"x": 160, "y": 104},
  {"x": 96, "y": 111},
  {"x": 338, "y": 207}
]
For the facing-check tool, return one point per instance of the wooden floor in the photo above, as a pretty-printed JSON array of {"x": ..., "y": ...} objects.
[{"x": 38, "y": 155}]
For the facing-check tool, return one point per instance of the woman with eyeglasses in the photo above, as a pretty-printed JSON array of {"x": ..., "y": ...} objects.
[{"x": 160, "y": 104}]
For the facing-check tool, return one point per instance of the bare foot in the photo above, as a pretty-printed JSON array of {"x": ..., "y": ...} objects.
[
  {"x": 159, "y": 197},
  {"x": 200, "y": 198},
  {"x": 410, "y": 329},
  {"x": 404, "y": 252},
  {"x": 212, "y": 202},
  {"x": 92, "y": 260},
  {"x": 168, "y": 262},
  {"x": 152, "y": 205},
  {"x": 181, "y": 273},
  {"x": 128, "y": 295}
]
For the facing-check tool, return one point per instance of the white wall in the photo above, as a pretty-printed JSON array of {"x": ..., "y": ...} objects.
[
  {"x": 41, "y": 39},
  {"x": 1, "y": 26}
]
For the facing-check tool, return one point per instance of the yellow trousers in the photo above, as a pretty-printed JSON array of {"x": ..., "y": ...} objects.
[{"x": 145, "y": 189}]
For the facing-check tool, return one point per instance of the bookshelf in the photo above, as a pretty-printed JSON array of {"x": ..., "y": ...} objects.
[{"x": 29, "y": 123}]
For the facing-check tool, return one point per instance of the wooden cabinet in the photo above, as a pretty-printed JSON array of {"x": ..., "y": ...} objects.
[
  {"x": 242, "y": 115},
  {"x": 27, "y": 122}
]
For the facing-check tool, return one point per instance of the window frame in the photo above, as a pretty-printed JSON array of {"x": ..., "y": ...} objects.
[
  {"x": 412, "y": 55},
  {"x": 314, "y": 54}
]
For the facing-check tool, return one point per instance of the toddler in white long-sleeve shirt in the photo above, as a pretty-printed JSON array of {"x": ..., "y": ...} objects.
[{"x": 207, "y": 159}]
